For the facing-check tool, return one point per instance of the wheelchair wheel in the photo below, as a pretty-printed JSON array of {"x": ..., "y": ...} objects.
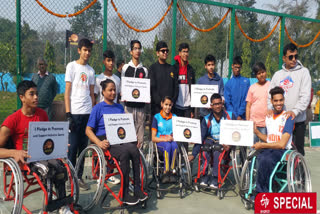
[
  {"x": 248, "y": 177},
  {"x": 147, "y": 152},
  {"x": 238, "y": 156},
  {"x": 94, "y": 172},
  {"x": 145, "y": 170},
  {"x": 184, "y": 165},
  {"x": 298, "y": 174},
  {"x": 11, "y": 191},
  {"x": 74, "y": 177}
]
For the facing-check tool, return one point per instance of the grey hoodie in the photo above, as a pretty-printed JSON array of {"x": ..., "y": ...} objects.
[{"x": 296, "y": 83}]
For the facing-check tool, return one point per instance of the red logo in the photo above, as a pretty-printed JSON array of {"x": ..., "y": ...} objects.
[
  {"x": 286, "y": 203},
  {"x": 141, "y": 75},
  {"x": 83, "y": 77}
]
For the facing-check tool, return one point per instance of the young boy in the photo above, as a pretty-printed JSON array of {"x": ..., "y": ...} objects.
[
  {"x": 16, "y": 127},
  {"x": 79, "y": 99},
  {"x": 211, "y": 78},
  {"x": 235, "y": 91},
  {"x": 135, "y": 69},
  {"x": 257, "y": 99},
  {"x": 108, "y": 61}
]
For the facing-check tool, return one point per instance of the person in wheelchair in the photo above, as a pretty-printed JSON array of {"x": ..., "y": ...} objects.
[
  {"x": 210, "y": 134},
  {"x": 96, "y": 132},
  {"x": 162, "y": 136},
  {"x": 15, "y": 130},
  {"x": 276, "y": 142}
]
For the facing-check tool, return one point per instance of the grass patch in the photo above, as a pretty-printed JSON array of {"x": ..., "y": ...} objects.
[{"x": 8, "y": 104}]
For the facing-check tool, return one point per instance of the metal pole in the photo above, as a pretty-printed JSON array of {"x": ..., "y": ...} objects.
[
  {"x": 233, "y": 14},
  {"x": 105, "y": 25},
  {"x": 174, "y": 25},
  {"x": 18, "y": 46},
  {"x": 282, "y": 26}
]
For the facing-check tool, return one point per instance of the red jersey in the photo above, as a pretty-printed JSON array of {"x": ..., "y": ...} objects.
[{"x": 18, "y": 123}]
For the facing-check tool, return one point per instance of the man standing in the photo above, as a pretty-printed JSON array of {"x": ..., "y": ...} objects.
[
  {"x": 186, "y": 77},
  {"x": 46, "y": 86},
  {"x": 120, "y": 64},
  {"x": 164, "y": 79},
  {"x": 135, "y": 69},
  {"x": 235, "y": 91},
  {"x": 296, "y": 82}
]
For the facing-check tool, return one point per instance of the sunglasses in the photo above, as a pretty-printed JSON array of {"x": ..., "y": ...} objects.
[
  {"x": 291, "y": 57},
  {"x": 164, "y": 51}
]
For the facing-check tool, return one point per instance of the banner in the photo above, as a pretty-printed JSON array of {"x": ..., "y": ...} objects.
[
  {"x": 314, "y": 133},
  {"x": 236, "y": 132},
  {"x": 186, "y": 130},
  {"x": 73, "y": 38},
  {"x": 135, "y": 90},
  {"x": 201, "y": 94},
  {"x": 47, "y": 140},
  {"x": 119, "y": 128}
]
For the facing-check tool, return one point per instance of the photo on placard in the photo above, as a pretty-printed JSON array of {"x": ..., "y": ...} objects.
[
  {"x": 48, "y": 146},
  {"x": 136, "y": 93},
  {"x": 204, "y": 99},
  {"x": 187, "y": 133},
  {"x": 236, "y": 136},
  {"x": 121, "y": 133}
]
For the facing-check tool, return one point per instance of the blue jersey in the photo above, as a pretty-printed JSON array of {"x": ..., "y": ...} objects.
[{"x": 162, "y": 124}]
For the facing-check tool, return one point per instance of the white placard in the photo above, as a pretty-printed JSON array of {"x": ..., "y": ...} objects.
[
  {"x": 186, "y": 130},
  {"x": 201, "y": 94},
  {"x": 236, "y": 132},
  {"x": 135, "y": 90},
  {"x": 315, "y": 130},
  {"x": 119, "y": 128},
  {"x": 47, "y": 140}
]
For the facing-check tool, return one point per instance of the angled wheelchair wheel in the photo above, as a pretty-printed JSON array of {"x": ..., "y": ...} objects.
[
  {"x": 94, "y": 172},
  {"x": 298, "y": 173},
  {"x": 184, "y": 165},
  {"x": 248, "y": 177},
  {"x": 238, "y": 156},
  {"x": 144, "y": 165},
  {"x": 11, "y": 190},
  {"x": 147, "y": 151},
  {"x": 74, "y": 177}
]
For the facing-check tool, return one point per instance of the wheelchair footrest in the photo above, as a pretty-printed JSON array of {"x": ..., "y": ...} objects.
[{"x": 58, "y": 203}]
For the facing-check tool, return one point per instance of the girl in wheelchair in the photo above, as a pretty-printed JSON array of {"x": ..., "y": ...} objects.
[
  {"x": 162, "y": 136},
  {"x": 124, "y": 153}
]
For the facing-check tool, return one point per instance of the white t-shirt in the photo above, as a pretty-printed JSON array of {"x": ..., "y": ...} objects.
[
  {"x": 81, "y": 77},
  {"x": 98, "y": 88}
]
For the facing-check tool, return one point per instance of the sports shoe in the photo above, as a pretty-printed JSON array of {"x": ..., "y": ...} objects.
[
  {"x": 212, "y": 186},
  {"x": 83, "y": 185},
  {"x": 65, "y": 210},
  {"x": 204, "y": 181},
  {"x": 114, "y": 180},
  {"x": 214, "y": 183},
  {"x": 130, "y": 200},
  {"x": 141, "y": 195}
]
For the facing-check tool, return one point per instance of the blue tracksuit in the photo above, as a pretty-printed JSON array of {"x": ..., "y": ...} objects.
[
  {"x": 235, "y": 94},
  {"x": 163, "y": 127}
]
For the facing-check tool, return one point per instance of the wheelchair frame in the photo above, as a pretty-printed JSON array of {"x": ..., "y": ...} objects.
[
  {"x": 15, "y": 191},
  {"x": 101, "y": 158}
]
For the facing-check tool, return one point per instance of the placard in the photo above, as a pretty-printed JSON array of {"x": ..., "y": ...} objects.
[
  {"x": 236, "y": 132},
  {"x": 201, "y": 94},
  {"x": 314, "y": 133},
  {"x": 135, "y": 90},
  {"x": 119, "y": 128},
  {"x": 186, "y": 130},
  {"x": 47, "y": 140}
]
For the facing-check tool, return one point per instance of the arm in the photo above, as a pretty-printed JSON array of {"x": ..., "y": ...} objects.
[
  {"x": 221, "y": 88},
  {"x": 261, "y": 136},
  {"x": 272, "y": 85},
  {"x": 55, "y": 87},
  {"x": 227, "y": 97},
  {"x": 67, "y": 94},
  {"x": 93, "y": 99},
  {"x": 18, "y": 155},
  {"x": 275, "y": 145},
  {"x": 104, "y": 144},
  {"x": 242, "y": 109},
  {"x": 176, "y": 85},
  {"x": 248, "y": 107},
  {"x": 154, "y": 92}
]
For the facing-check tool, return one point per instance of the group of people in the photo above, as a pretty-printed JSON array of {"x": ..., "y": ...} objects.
[{"x": 275, "y": 108}]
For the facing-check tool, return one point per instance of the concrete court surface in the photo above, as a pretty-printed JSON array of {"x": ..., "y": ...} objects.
[{"x": 197, "y": 202}]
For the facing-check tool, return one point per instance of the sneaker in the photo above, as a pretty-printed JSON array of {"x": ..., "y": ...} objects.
[
  {"x": 65, "y": 210},
  {"x": 213, "y": 186},
  {"x": 214, "y": 183},
  {"x": 83, "y": 185},
  {"x": 141, "y": 195},
  {"x": 114, "y": 180},
  {"x": 204, "y": 181},
  {"x": 130, "y": 200},
  {"x": 165, "y": 178}
]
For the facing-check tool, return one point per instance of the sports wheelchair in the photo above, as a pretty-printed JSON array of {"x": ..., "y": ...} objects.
[
  {"x": 99, "y": 165},
  {"x": 20, "y": 181},
  {"x": 155, "y": 160},
  {"x": 290, "y": 174},
  {"x": 227, "y": 160}
]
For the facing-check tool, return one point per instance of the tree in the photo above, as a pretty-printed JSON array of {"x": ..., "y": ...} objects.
[
  {"x": 90, "y": 22},
  {"x": 50, "y": 57},
  {"x": 246, "y": 58},
  {"x": 7, "y": 61}
]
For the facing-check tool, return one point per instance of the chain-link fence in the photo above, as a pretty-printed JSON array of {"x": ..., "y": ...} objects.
[{"x": 205, "y": 26}]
